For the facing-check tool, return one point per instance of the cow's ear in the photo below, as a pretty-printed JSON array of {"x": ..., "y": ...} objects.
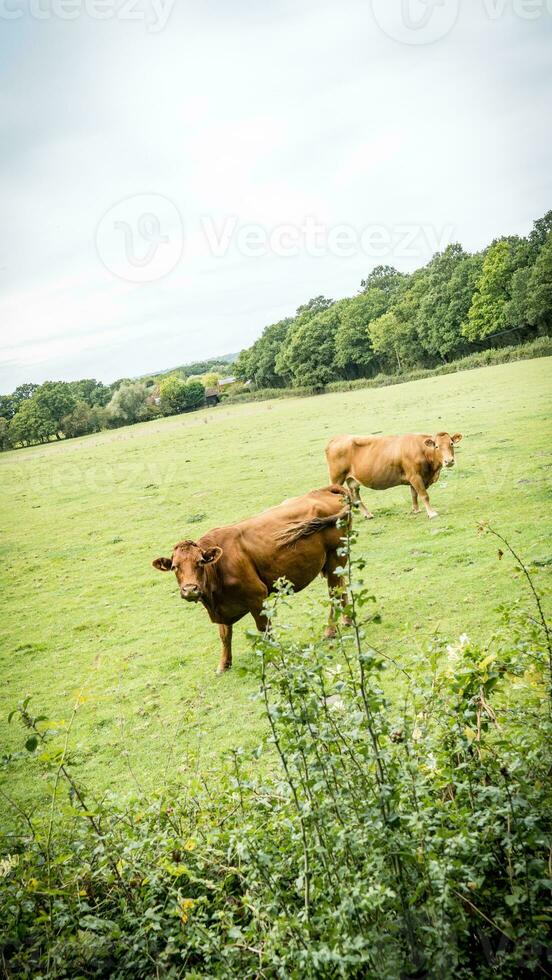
[
  {"x": 210, "y": 556},
  {"x": 457, "y": 437},
  {"x": 163, "y": 564},
  {"x": 430, "y": 443}
]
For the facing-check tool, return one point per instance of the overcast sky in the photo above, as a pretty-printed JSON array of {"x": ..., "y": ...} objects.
[{"x": 175, "y": 179}]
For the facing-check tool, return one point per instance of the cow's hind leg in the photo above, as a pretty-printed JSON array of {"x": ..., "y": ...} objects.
[
  {"x": 225, "y": 661},
  {"x": 354, "y": 487},
  {"x": 336, "y": 588},
  {"x": 415, "y": 503}
]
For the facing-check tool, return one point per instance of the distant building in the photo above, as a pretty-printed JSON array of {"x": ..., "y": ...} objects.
[
  {"x": 212, "y": 396},
  {"x": 227, "y": 381}
]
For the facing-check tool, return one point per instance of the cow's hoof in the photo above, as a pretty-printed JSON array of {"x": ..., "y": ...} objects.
[
  {"x": 222, "y": 670},
  {"x": 415, "y": 512},
  {"x": 330, "y": 633},
  {"x": 432, "y": 514},
  {"x": 346, "y": 621}
]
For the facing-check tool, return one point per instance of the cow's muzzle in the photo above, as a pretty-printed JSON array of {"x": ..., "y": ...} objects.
[
  {"x": 190, "y": 593},
  {"x": 449, "y": 463}
]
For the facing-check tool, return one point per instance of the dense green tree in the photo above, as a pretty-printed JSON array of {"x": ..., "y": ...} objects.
[
  {"x": 539, "y": 292},
  {"x": 448, "y": 287},
  {"x": 179, "y": 396},
  {"x": 4, "y": 433},
  {"x": 128, "y": 404},
  {"x": 491, "y": 311},
  {"x": 83, "y": 419},
  {"x": 310, "y": 349},
  {"x": 286, "y": 358},
  {"x": 542, "y": 228},
  {"x": 30, "y": 424},
  {"x": 7, "y": 407},
  {"x": 395, "y": 339},
  {"x": 354, "y": 354},
  {"x": 55, "y": 400},
  {"x": 258, "y": 362},
  {"x": 195, "y": 394},
  {"x": 91, "y": 391},
  {"x": 172, "y": 392},
  {"x": 385, "y": 278},
  {"x": 22, "y": 393}
]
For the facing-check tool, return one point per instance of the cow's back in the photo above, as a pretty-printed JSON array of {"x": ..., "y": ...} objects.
[
  {"x": 377, "y": 462},
  {"x": 255, "y": 547}
]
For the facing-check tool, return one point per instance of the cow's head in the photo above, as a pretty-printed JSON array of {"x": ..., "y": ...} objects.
[
  {"x": 190, "y": 563},
  {"x": 442, "y": 445}
]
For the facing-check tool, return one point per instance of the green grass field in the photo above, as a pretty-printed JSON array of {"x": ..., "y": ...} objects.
[{"x": 84, "y": 611}]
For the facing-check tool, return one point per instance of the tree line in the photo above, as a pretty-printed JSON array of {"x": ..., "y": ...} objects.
[
  {"x": 460, "y": 302},
  {"x": 65, "y": 409}
]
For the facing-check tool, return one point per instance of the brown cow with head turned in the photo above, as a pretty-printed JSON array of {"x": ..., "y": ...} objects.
[
  {"x": 231, "y": 570},
  {"x": 381, "y": 462}
]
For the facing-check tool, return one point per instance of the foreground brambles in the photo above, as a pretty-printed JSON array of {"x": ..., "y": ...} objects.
[{"x": 393, "y": 837}]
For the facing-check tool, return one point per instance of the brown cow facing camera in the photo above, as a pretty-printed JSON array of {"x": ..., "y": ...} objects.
[
  {"x": 231, "y": 570},
  {"x": 381, "y": 462}
]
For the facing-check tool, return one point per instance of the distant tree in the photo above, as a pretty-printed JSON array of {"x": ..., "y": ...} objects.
[
  {"x": 195, "y": 394},
  {"x": 4, "y": 433},
  {"x": 31, "y": 424},
  {"x": 539, "y": 289},
  {"x": 83, "y": 419},
  {"x": 286, "y": 357},
  {"x": 395, "y": 339},
  {"x": 385, "y": 278},
  {"x": 55, "y": 400},
  {"x": 172, "y": 392},
  {"x": 542, "y": 228},
  {"x": 128, "y": 404},
  {"x": 449, "y": 284},
  {"x": 491, "y": 309},
  {"x": 91, "y": 391},
  {"x": 309, "y": 350},
  {"x": 180, "y": 396},
  {"x": 354, "y": 354},
  {"x": 258, "y": 362},
  {"x": 210, "y": 379},
  {"x": 7, "y": 407},
  {"x": 22, "y": 393},
  {"x": 315, "y": 305}
]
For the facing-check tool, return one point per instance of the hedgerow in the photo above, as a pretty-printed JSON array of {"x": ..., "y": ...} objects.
[
  {"x": 386, "y": 835},
  {"x": 540, "y": 347}
]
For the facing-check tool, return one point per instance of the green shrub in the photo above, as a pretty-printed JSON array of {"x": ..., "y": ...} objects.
[{"x": 385, "y": 838}]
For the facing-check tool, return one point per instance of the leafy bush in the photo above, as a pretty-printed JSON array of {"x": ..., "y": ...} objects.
[{"x": 386, "y": 838}]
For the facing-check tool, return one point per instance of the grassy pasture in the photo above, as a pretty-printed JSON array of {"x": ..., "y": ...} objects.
[{"x": 84, "y": 611}]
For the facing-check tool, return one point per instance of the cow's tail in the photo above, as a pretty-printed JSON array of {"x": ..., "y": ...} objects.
[{"x": 304, "y": 529}]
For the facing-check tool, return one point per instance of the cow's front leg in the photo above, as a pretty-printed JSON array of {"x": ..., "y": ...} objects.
[
  {"x": 415, "y": 503},
  {"x": 225, "y": 661},
  {"x": 418, "y": 485},
  {"x": 354, "y": 487}
]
